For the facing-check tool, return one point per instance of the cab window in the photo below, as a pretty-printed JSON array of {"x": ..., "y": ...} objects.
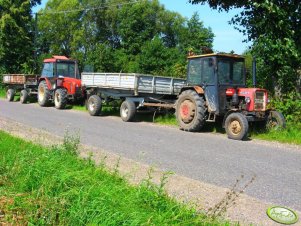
[
  {"x": 201, "y": 71},
  {"x": 47, "y": 70}
]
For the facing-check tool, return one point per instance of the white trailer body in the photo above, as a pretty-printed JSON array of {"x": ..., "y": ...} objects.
[
  {"x": 134, "y": 83},
  {"x": 136, "y": 91}
]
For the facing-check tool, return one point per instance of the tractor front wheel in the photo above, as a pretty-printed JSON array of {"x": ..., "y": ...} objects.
[
  {"x": 94, "y": 105},
  {"x": 60, "y": 98},
  {"x": 43, "y": 94},
  {"x": 190, "y": 111},
  {"x": 237, "y": 126},
  {"x": 10, "y": 95},
  {"x": 275, "y": 120}
]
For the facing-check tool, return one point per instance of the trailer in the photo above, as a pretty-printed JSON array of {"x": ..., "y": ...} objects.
[
  {"x": 24, "y": 85},
  {"x": 135, "y": 90}
]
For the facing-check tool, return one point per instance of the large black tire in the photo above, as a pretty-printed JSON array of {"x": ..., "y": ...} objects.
[
  {"x": 190, "y": 111},
  {"x": 60, "y": 98},
  {"x": 43, "y": 94},
  {"x": 23, "y": 96},
  {"x": 94, "y": 105},
  {"x": 127, "y": 111},
  {"x": 237, "y": 126},
  {"x": 275, "y": 120},
  {"x": 10, "y": 95}
]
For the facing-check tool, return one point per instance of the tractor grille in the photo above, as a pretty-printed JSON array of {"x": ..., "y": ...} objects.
[{"x": 259, "y": 103}]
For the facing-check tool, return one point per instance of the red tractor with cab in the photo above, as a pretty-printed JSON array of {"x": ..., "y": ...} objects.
[
  {"x": 216, "y": 88},
  {"x": 59, "y": 82}
]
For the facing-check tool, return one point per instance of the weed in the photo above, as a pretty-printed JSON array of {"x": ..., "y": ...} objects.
[
  {"x": 230, "y": 198},
  {"x": 71, "y": 143}
]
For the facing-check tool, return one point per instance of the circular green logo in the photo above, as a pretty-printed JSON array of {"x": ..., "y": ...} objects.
[{"x": 282, "y": 215}]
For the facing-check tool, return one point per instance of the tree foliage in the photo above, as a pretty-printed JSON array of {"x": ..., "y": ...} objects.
[
  {"x": 16, "y": 34},
  {"x": 119, "y": 35},
  {"x": 275, "y": 29}
]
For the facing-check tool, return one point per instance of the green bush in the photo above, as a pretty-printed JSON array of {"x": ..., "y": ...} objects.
[{"x": 290, "y": 106}]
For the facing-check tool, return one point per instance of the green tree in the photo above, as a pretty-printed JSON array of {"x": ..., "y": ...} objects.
[
  {"x": 16, "y": 35},
  {"x": 195, "y": 35},
  {"x": 275, "y": 29},
  {"x": 121, "y": 36}
]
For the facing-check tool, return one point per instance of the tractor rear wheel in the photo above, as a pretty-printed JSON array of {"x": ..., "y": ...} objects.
[
  {"x": 23, "y": 96},
  {"x": 190, "y": 111},
  {"x": 60, "y": 98},
  {"x": 237, "y": 126},
  {"x": 10, "y": 95},
  {"x": 275, "y": 120},
  {"x": 94, "y": 105},
  {"x": 43, "y": 94},
  {"x": 127, "y": 111}
]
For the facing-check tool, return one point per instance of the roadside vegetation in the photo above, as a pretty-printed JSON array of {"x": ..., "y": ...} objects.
[
  {"x": 41, "y": 186},
  {"x": 2, "y": 92}
]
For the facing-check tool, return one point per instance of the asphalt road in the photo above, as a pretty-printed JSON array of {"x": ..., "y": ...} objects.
[{"x": 206, "y": 157}]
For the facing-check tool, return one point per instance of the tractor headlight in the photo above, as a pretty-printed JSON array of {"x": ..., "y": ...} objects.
[
  {"x": 54, "y": 86},
  {"x": 248, "y": 100}
]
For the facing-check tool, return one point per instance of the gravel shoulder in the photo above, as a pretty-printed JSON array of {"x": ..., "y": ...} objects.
[{"x": 247, "y": 210}]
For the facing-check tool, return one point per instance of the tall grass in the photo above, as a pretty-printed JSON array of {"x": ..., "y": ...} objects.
[
  {"x": 40, "y": 186},
  {"x": 291, "y": 134}
]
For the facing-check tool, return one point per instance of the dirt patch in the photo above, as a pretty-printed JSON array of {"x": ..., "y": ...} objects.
[{"x": 246, "y": 210}]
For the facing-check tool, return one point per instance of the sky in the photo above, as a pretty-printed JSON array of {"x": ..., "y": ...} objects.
[{"x": 226, "y": 37}]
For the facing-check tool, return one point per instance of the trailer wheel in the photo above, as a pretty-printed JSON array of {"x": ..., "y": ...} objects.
[
  {"x": 275, "y": 120},
  {"x": 237, "y": 126},
  {"x": 127, "y": 111},
  {"x": 23, "y": 96},
  {"x": 60, "y": 98},
  {"x": 43, "y": 94},
  {"x": 94, "y": 105},
  {"x": 190, "y": 111},
  {"x": 10, "y": 95}
]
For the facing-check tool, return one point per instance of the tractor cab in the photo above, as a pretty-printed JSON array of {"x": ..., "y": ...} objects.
[
  {"x": 223, "y": 79},
  {"x": 60, "y": 66}
]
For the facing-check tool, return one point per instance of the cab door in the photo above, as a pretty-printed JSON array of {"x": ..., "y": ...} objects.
[{"x": 202, "y": 72}]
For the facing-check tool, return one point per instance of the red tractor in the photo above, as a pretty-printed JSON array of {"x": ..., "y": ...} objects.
[
  {"x": 216, "y": 88},
  {"x": 59, "y": 82}
]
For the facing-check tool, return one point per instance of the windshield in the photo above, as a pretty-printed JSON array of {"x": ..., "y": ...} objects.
[
  {"x": 67, "y": 69},
  {"x": 230, "y": 72}
]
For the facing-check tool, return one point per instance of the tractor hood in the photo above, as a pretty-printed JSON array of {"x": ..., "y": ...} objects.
[{"x": 256, "y": 99}]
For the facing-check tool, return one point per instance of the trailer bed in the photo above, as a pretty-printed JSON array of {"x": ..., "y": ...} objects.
[
  {"x": 20, "y": 79},
  {"x": 133, "y": 83}
]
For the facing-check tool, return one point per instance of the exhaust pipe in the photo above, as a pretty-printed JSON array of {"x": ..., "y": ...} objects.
[{"x": 254, "y": 72}]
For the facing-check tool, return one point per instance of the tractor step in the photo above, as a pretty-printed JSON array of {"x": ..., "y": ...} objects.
[{"x": 211, "y": 117}]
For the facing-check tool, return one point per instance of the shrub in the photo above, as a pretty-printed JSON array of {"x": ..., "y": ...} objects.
[{"x": 290, "y": 106}]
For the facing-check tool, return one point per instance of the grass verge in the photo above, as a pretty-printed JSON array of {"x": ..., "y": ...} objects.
[
  {"x": 40, "y": 186},
  {"x": 291, "y": 134},
  {"x": 2, "y": 93}
]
